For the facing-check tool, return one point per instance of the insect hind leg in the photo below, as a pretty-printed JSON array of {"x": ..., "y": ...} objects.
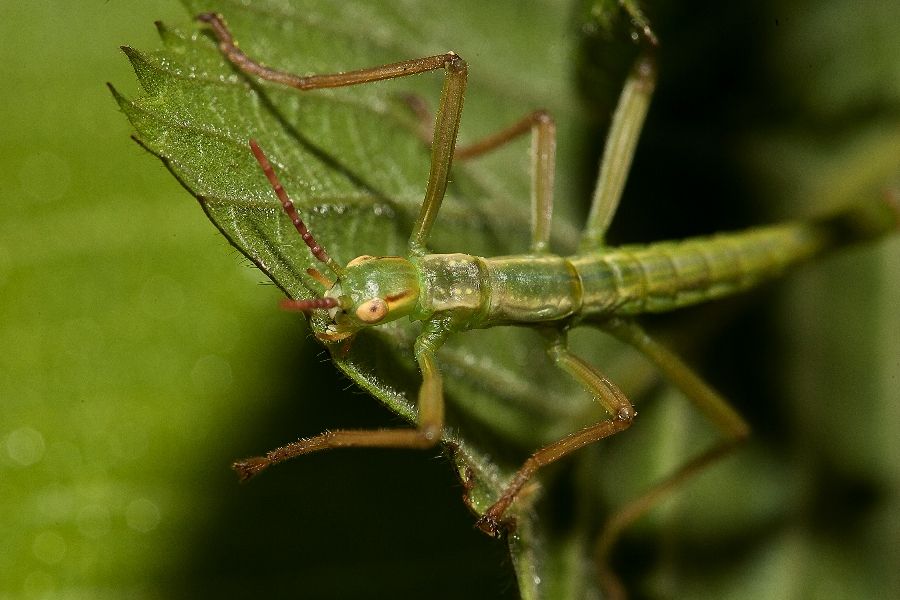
[
  {"x": 621, "y": 142},
  {"x": 710, "y": 403}
]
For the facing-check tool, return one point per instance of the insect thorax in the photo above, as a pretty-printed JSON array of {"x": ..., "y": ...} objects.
[
  {"x": 454, "y": 282},
  {"x": 481, "y": 292}
]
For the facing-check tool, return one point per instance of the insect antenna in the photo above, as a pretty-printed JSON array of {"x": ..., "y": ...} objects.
[
  {"x": 317, "y": 250},
  {"x": 308, "y": 304}
]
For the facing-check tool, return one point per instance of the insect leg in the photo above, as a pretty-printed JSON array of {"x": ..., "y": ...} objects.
[
  {"x": 543, "y": 162},
  {"x": 713, "y": 406},
  {"x": 621, "y": 141},
  {"x": 531, "y": 122},
  {"x": 606, "y": 392},
  {"x": 429, "y": 425},
  {"x": 446, "y": 121},
  {"x": 543, "y": 168}
]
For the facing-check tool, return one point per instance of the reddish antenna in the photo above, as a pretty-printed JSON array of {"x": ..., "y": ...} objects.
[
  {"x": 308, "y": 305},
  {"x": 317, "y": 250}
]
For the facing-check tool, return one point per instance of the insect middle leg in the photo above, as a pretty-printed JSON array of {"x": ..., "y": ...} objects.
[
  {"x": 543, "y": 168},
  {"x": 543, "y": 161},
  {"x": 607, "y": 393}
]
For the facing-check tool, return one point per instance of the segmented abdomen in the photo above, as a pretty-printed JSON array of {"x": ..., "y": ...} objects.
[
  {"x": 630, "y": 280},
  {"x": 664, "y": 276}
]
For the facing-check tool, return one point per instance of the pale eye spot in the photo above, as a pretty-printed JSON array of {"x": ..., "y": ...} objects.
[{"x": 372, "y": 310}]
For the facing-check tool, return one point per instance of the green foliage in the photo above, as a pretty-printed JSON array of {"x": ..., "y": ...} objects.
[{"x": 140, "y": 358}]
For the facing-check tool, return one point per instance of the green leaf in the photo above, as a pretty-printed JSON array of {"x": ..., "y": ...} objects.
[{"x": 141, "y": 355}]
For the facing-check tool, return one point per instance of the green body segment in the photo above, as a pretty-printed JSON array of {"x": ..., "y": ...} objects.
[{"x": 630, "y": 280}]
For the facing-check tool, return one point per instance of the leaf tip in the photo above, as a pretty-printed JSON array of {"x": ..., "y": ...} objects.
[
  {"x": 142, "y": 67},
  {"x": 114, "y": 91},
  {"x": 162, "y": 30},
  {"x": 134, "y": 56},
  {"x": 120, "y": 99}
]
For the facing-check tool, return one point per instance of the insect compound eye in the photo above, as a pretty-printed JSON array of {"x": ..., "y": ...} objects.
[
  {"x": 372, "y": 311},
  {"x": 359, "y": 259}
]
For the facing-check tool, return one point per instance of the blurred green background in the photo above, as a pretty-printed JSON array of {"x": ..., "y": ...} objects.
[{"x": 140, "y": 355}]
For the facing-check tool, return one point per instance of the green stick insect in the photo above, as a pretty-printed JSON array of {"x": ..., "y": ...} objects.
[{"x": 600, "y": 286}]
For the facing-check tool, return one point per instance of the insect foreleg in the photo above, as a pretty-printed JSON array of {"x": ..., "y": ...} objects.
[
  {"x": 621, "y": 142},
  {"x": 429, "y": 425},
  {"x": 710, "y": 402},
  {"x": 430, "y": 418},
  {"x": 446, "y": 122},
  {"x": 606, "y": 392}
]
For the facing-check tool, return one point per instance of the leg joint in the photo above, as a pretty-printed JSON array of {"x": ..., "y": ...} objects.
[
  {"x": 542, "y": 117},
  {"x": 430, "y": 434},
  {"x": 454, "y": 62},
  {"x": 626, "y": 414}
]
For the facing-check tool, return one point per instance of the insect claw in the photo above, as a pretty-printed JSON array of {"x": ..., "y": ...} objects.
[
  {"x": 250, "y": 467},
  {"x": 494, "y": 528}
]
